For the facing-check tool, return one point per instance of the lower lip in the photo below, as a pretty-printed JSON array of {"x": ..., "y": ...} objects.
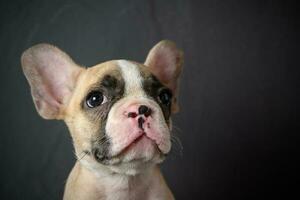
[{"x": 138, "y": 139}]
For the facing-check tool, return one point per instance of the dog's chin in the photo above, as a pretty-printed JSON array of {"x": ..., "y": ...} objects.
[
  {"x": 135, "y": 158},
  {"x": 133, "y": 167}
]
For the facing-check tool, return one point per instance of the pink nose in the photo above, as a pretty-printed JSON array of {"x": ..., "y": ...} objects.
[
  {"x": 139, "y": 110},
  {"x": 139, "y": 113}
]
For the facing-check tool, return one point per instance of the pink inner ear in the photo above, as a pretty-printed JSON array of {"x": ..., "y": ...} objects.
[
  {"x": 57, "y": 79},
  {"x": 165, "y": 61},
  {"x": 52, "y": 76}
]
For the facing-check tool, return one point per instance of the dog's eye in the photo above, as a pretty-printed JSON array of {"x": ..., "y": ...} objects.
[
  {"x": 165, "y": 96},
  {"x": 95, "y": 98}
]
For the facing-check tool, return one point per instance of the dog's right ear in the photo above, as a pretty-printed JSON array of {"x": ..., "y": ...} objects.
[{"x": 52, "y": 76}]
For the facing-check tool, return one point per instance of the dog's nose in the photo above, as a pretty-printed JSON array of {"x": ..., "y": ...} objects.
[
  {"x": 144, "y": 110},
  {"x": 141, "y": 110},
  {"x": 139, "y": 115}
]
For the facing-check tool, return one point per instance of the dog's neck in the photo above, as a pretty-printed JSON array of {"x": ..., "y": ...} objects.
[
  {"x": 118, "y": 179},
  {"x": 109, "y": 185}
]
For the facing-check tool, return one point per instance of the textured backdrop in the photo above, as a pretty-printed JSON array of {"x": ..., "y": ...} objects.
[{"x": 238, "y": 94}]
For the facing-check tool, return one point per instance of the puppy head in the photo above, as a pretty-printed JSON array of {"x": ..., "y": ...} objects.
[{"x": 118, "y": 112}]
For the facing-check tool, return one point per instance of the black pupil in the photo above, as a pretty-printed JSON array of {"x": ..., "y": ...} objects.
[
  {"x": 165, "y": 96},
  {"x": 94, "y": 99}
]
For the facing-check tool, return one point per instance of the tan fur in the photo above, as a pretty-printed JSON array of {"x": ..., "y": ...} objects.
[
  {"x": 82, "y": 182},
  {"x": 73, "y": 112},
  {"x": 60, "y": 96}
]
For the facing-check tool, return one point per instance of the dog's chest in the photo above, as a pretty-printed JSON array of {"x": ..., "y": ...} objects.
[
  {"x": 127, "y": 195},
  {"x": 127, "y": 190},
  {"x": 138, "y": 193}
]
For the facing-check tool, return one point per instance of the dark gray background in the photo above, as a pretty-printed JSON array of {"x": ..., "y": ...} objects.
[{"x": 239, "y": 91}]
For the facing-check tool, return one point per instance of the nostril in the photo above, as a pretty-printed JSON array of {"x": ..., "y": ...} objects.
[
  {"x": 144, "y": 110},
  {"x": 132, "y": 115},
  {"x": 149, "y": 111}
]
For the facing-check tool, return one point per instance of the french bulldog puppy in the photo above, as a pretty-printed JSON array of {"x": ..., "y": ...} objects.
[{"x": 119, "y": 116}]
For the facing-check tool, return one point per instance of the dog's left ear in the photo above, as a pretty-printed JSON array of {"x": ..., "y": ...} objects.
[{"x": 165, "y": 61}]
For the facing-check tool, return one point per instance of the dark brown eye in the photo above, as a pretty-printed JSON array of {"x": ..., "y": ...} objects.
[
  {"x": 94, "y": 99},
  {"x": 165, "y": 96}
]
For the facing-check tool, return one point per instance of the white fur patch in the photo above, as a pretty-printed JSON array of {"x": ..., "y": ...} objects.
[
  {"x": 132, "y": 77},
  {"x": 122, "y": 130}
]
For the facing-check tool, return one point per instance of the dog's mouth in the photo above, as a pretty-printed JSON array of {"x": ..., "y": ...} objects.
[
  {"x": 132, "y": 144},
  {"x": 136, "y": 142},
  {"x": 134, "y": 152}
]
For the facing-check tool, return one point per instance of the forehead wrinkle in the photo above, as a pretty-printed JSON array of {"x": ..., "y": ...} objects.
[{"x": 132, "y": 77}]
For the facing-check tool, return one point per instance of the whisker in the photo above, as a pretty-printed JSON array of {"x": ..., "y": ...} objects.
[
  {"x": 99, "y": 115},
  {"x": 177, "y": 148},
  {"x": 102, "y": 139},
  {"x": 176, "y": 129},
  {"x": 85, "y": 152}
]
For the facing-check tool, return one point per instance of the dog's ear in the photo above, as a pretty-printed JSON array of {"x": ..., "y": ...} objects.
[
  {"x": 52, "y": 76},
  {"x": 165, "y": 61}
]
